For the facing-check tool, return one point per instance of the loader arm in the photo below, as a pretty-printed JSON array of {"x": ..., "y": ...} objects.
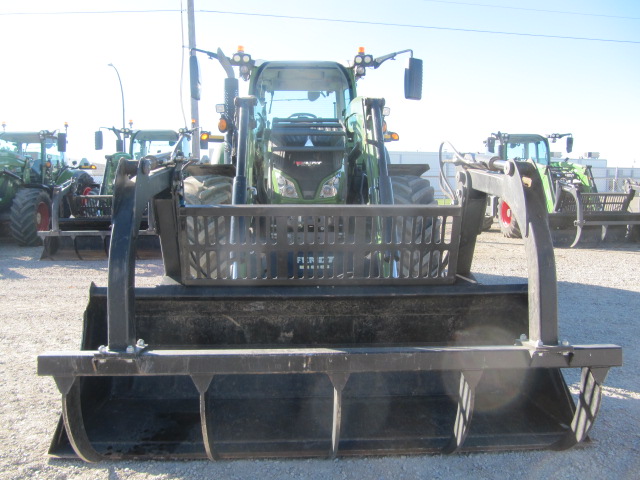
[
  {"x": 135, "y": 185},
  {"x": 520, "y": 185}
]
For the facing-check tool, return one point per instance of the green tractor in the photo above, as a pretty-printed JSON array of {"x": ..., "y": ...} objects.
[
  {"x": 577, "y": 212},
  {"x": 316, "y": 303},
  {"x": 303, "y": 118},
  {"x": 31, "y": 165},
  {"x": 86, "y": 235}
]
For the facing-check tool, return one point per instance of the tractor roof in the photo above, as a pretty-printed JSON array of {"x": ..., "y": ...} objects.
[
  {"x": 302, "y": 75},
  {"x": 21, "y": 137},
  {"x": 159, "y": 135}
]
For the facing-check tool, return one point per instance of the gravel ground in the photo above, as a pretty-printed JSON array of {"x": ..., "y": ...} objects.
[{"x": 42, "y": 305}]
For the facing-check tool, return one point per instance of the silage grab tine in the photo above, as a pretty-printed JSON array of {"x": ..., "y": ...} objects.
[
  {"x": 579, "y": 223},
  {"x": 202, "y": 383},
  {"x": 576, "y": 240},
  {"x": 73, "y": 421},
  {"x": 466, "y": 399},
  {"x": 587, "y": 409},
  {"x": 338, "y": 380}
]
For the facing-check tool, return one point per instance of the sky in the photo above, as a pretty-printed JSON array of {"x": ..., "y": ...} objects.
[{"x": 532, "y": 66}]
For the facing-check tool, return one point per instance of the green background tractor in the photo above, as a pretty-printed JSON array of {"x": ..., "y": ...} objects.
[
  {"x": 573, "y": 202},
  {"x": 86, "y": 235},
  {"x": 31, "y": 164}
]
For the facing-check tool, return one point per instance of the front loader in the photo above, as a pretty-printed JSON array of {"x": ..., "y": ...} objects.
[
  {"x": 86, "y": 235},
  {"x": 319, "y": 310},
  {"x": 578, "y": 213}
]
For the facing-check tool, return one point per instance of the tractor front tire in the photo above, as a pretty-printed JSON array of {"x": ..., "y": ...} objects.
[
  {"x": 30, "y": 213},
  {"x": 507, "y": 221},
  {"x": 487, "y": 222}
]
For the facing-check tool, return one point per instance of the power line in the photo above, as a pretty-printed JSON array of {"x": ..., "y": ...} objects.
[
  {"x": 563, "y": 12},
  {"x": 90, "y": 12},
  {"x": 334, "y": 20},
  {"x": 428, "y": 27}
]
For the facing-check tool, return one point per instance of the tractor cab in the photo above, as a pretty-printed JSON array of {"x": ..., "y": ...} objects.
[
  {"x": 152, "y": 142},
  {"x": 554, "y": 173},
  {"x": 521, "y": 147},
  {"x": 42, "y": 151},
  {"x": 299, "y": 113}
]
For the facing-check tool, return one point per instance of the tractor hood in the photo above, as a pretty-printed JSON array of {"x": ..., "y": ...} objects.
[{"x": 11, "y": 160}]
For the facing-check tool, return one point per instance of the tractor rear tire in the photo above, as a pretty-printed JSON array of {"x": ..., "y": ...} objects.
[
  {"x": 507, "y": 221},
  {"x": 412, "y": 190},
  {"x": 208, "y": 190},
  {"x": 30, "y": 213}
]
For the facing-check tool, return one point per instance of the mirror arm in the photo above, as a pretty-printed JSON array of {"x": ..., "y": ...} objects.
[
  {"x": 391, "y": 56},
  {"x": 206, "y": 52},
  {"x": 221, "y": 57}
]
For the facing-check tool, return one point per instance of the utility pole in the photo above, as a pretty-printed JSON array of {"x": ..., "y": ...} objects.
[
  {"x": 195, "y": 115},
  {"x": 124, "y": 141}
]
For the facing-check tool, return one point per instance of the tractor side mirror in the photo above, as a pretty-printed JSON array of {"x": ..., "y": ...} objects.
[
  {"x": 99, "y": 140},
  {"x": 491, "y": 144},
  {"x": 413, "y": 80},
  {"x": 194, "y": 77},
  {"x": 569, "y": 144},
  {"x": 119, "y": 145},
  {"x": 62, "y": 142}
]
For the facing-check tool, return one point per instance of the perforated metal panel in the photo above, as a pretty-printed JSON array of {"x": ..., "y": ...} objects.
[
  {"x": 334, "y": 244},
  {"x": 93, "y": 205},
  {"x": 596, "y": 202}
]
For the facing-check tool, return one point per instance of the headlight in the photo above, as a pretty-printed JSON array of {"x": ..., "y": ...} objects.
[
  {"x": 330, "y": 187},
  {"x": 286, "y": 187}
]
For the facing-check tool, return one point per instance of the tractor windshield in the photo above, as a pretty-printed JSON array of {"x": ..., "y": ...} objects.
[
  {"x": 7, "y": 146},
  {"x": 301, "y": 90},
  {"x": 28, "y": 144},
  {"x": 524, "y": 150}
]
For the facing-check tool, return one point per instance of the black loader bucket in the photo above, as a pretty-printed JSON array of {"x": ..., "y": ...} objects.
[
  {"x": 589, "y": 218},
  {"x": 300, "y": 331},
  {"x": 80, "y": 244},
  {"x": 87, "y": 235},
  {"x": 252, "y": 374}
]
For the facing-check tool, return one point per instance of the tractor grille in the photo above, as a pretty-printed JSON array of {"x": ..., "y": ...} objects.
[{"x": 319, "y": 245}]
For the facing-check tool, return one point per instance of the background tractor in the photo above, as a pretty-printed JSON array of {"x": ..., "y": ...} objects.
[
  {"x": 577, "y": 211},
  {"x": 31, "y": 165},
  {"x": 315, "y": 303},
  {"x": 86, "y": 235}
]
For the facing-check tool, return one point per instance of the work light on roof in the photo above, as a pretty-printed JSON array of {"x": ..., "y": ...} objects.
[{"x": 241, "y": 58}]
